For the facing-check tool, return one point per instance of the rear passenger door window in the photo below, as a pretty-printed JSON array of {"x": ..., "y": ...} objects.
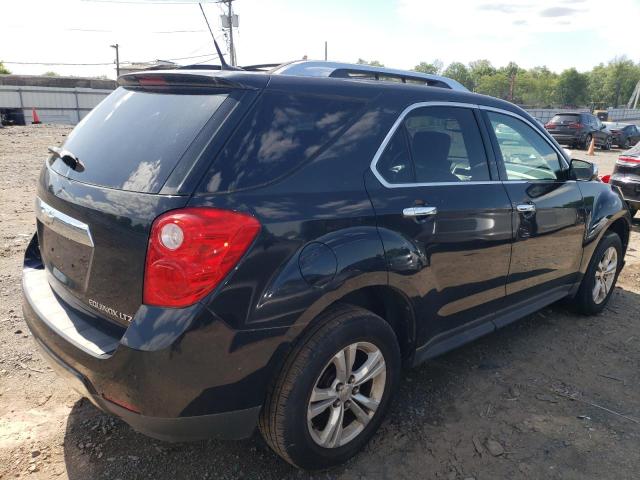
[
  {"x": 526, "y": 155},
  {"x": 435, "y": 145}
]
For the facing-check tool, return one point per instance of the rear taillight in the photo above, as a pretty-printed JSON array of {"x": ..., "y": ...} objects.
[
  {"x": 605, "y": 178},
  {"x": 577, "y": 126},
  {"x": 191, "y": 251},
  {"x": 549, "y": 126},
  {"x": 628, "y": 161}
]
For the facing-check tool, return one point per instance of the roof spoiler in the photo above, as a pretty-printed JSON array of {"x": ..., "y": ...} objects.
[{"x": 167, "y": 80}]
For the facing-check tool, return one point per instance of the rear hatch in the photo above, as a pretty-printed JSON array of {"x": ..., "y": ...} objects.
[
  {"x": 565, "y": 124},
  {"x": 128, "y": 161}
]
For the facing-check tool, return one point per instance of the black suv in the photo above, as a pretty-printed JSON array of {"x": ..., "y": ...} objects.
[
  {"x": 223, "y": 250},
  {"x": 578, "y": 129}
]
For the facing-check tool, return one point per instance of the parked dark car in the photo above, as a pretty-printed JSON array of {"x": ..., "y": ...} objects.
[
  {"x": 578, "y": 129},
  {"x": 223, "y": 250},
  {"x": 626, "y": 176},
  {"x": 624, "y": 135}
]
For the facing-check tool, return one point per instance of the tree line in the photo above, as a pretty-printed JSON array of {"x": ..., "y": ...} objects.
[{"x": 605, "y": 85}]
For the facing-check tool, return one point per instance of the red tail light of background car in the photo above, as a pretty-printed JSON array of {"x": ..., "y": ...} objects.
[{"x": 627, "y": 161}]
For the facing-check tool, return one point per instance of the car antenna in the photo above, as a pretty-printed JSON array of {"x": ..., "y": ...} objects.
[{"x": 223, "y": 64}]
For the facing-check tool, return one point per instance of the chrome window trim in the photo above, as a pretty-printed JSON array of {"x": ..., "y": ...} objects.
[
  {"x": 63, "y": 224},
  {"x": 471, "y": 106}
]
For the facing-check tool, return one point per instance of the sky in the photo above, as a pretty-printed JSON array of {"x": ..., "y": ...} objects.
[{"x": 399, "y": 33}]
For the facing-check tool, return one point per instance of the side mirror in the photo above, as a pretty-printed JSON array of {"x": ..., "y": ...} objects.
[
  {"x": 602, "y": 127},
  {"x": 582, "y": 170}
]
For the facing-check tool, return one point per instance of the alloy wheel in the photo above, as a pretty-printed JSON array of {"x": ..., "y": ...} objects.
[
  {"x": 605, "y": 275},
  {"x": 346, "y": 395}
]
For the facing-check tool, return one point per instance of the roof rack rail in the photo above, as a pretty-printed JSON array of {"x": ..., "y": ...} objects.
[
  {"x": 316, "y": 68},
  {"x": 263, "y": 67}
]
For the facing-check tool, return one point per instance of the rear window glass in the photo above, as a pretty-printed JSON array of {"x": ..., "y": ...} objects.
[
  {"x": 133, "y": 140},
  {"x": 565, "y": 118},
  {"x": 280, "y": 133}
]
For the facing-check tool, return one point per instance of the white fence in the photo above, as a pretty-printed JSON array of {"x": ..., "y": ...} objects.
[
  {"x": 623, "y": 114},
  {"x": 53, "y": 104}
]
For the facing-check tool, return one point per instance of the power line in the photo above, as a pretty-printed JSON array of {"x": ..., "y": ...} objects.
[
  {"x": 181, "y": 31},
  {"x": 195, "y": 56},
  {"x": 156, "y": 2},
  {"x": 161, "y": 32},
  {"x": 56, "y": 64},
  {"x": 95, "y": 64},
  {"x": 207, "y": 60},
  {"x": 100, "y": 30}
]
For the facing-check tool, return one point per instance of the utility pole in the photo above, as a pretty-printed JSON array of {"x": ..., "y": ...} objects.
[
  {"x": 325, "y": 50},
  {"x": 116, "y": 46},
  {"x": 232, "y": 51},
  {"x": 512, "y": 82}
]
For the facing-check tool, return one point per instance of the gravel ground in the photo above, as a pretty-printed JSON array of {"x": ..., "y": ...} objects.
[{"x": 556, "y": 395}]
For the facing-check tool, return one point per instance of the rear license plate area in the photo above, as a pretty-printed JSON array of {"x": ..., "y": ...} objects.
[{"x": 67, "y": 260}]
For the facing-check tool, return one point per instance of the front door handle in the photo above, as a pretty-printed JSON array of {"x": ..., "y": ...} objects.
[
  {"x": 526, "y": 208},
  {"x": 419, "y": 211}
]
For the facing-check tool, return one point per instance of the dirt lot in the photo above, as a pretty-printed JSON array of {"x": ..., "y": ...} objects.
[{"x": 554, "y": 396}]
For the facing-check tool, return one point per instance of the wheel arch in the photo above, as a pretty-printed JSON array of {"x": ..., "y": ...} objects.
[
  {"x": 387, "y": 302},
  {"x": 622, "y": 229},
  {"x": 392, "y": 306}
]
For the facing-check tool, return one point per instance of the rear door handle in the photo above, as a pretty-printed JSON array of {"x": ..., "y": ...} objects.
[
  {"x": 419, "y": 211},
  {"x": 526, "y": 208}
]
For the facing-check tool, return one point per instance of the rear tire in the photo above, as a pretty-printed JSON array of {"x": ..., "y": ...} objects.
[
  {"x": 312, "y": 417},
  {"x": 633, "y": 211},
  {"x": 587, "y": 142},
  {"x": 600, "y": 278}
]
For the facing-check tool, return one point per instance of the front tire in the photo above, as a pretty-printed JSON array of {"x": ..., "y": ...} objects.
[
  {"x": 334, "y": 390},
  {"x": 601, "y": 276}
]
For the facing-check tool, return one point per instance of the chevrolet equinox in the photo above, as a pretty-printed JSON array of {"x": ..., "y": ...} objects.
[{"x": 219, "y": 251}]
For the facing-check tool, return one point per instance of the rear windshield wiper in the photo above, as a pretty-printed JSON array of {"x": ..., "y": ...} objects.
[{"x": 68, "y": 158}]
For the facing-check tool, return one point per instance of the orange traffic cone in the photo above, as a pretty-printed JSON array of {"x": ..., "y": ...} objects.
[
  {"x": 592, "y": 147},
  {"x": 36, "y": 118}
]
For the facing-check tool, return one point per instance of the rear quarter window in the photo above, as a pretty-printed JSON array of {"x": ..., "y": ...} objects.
[{"x": 282, "y": 132}]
